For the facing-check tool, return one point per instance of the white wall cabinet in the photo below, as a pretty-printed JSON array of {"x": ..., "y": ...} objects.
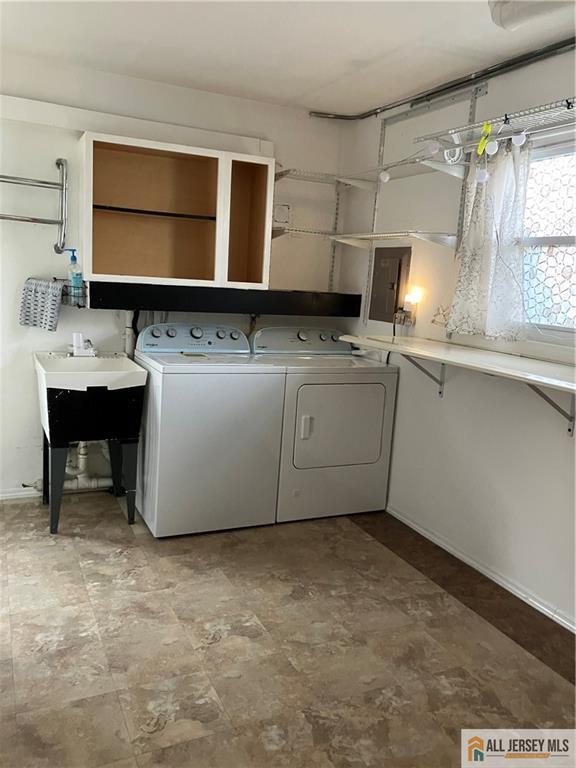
[{"x": 170, "y": 214}]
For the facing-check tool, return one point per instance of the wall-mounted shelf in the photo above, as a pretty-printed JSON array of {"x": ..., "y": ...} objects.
[
  {"x": 144, "y": 212},
  {"x": 547, "y": 118},
  {"x": 279, "y": 231},
  {"x": 242, "y": 301},
  {"x": 534, "y": 373},
  {"x": 368, "y": 180},
  {"x": 364, "y": 240},
  {"x": 60, "y": 186}
]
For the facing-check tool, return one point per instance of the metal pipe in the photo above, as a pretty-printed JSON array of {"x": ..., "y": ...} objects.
[
  {"x": 60, "y": 244},
  {"x": 509, "y": 65},
  {"x": 29, "y": 219},
  {"x": 30, "y": 182}
]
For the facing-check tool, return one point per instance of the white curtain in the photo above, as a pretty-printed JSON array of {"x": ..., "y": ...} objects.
[{"x": 488, "y": 300}]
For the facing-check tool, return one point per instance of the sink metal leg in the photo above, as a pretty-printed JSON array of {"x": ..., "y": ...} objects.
[
  {"x": 116, "y": 466},
  {"x": 58, "y": 457},
  {"x": 129, "y": 468},
  {"x": 45, "y": 470}
]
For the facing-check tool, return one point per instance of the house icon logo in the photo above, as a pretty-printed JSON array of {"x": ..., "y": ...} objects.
[{"x": 475, "y": 750}]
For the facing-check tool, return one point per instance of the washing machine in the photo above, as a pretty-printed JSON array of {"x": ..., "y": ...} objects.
[
  {"x": 211, "y": 435},
  {"x": 337, "y": 423}
]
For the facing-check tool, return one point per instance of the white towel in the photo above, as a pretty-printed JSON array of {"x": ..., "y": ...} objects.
[{"x": 40, "y": 304}]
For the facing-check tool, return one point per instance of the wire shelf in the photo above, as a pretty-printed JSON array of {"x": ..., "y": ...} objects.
[{"x": 556, "y": 115}]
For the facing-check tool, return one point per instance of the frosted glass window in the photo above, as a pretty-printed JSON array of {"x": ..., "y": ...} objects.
[{"x": 550, "y": 269}]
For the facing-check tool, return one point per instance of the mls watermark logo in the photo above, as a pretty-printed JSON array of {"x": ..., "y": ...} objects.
[{"x": 553, "y": 748}]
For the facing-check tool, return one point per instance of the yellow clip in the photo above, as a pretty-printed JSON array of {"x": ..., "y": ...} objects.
[{"x": 486, "y": 131}]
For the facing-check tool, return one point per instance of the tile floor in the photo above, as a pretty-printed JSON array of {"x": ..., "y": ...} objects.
[{"x": 307, "y": 645}]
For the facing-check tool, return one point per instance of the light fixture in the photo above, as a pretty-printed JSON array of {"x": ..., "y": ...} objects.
[
  {"x": 384, "y": 177},
  {"x": 433, "y": 147},
  {"x": 414, "y": 296},
  {"x": 491, "y": 148},
  {"x": 407, "y": 315},
  {"x": 482, "y": 175},
  {"x": 519, "y": 139}
]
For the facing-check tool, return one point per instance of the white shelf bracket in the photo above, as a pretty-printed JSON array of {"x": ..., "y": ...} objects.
[
  {"x": 439, "y": 380},
  {"x": 364, "y": 184},
  {"x": 568, "y": 415}
]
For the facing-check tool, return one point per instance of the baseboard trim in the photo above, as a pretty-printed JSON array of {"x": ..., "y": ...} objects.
[
  {"x": 503, "y": 581},
  {"x": 12, "y": 494}
]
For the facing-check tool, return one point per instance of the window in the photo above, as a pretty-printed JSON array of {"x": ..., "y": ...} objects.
[{"x": 550, "y": 240}]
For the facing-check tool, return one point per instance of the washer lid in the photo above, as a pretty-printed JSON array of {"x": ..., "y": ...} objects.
[
  {"x": 326, "y": 363},
  {"x": 189, "y": 363}
]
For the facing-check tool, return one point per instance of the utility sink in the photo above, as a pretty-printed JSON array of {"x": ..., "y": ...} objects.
[
  {"x": 89, "y": 398},
  {"x": 57, "y": 370}
]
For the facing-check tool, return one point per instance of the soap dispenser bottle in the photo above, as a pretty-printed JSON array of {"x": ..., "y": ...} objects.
[{"x": 75, "y": 277}]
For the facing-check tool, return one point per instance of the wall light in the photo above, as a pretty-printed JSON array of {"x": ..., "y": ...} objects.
[
  {"x": 384, "y": 177},
  {"x": 407, "y": 315}
]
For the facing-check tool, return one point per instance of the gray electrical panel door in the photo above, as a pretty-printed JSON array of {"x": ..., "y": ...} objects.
[{"x": 389, "y": 278}]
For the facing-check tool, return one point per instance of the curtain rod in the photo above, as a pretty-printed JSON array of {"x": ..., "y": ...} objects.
[{"x": 509, "y": 65}]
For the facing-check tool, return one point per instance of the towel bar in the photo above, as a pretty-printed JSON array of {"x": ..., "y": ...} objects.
[{"x": 62, "y": 186}]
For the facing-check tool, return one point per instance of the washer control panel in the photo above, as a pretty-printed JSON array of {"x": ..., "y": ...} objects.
[
  {"x": 300, "y": 341},
  {"x": 182, "y": 337}
]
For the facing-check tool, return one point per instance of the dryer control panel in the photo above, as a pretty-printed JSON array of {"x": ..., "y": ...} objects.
[
  {"x": 183, "y": 337},
  {"x": 299, "y": 340}
]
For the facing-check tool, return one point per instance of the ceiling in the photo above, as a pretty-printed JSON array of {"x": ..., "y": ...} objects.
[{"x": 335, "y": 56}]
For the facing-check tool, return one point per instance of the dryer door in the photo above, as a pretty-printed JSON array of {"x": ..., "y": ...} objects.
[{"x": 338, "y": 425}]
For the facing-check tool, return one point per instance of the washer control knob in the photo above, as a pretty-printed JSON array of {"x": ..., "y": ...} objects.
[
  {"x": 323, "y": 337},
  {"x": 171, "y": 332},
  {"x": 302, "y": 335},
  {"x": 196, "y": 333},
  {"x": 220, "y": 334},
  {"x": 156, "y": 333},
  {"x": 335, "y": 337},
  {"x": 234, "y": 335}
]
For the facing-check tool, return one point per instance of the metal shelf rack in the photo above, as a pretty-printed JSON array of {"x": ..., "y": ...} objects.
[
  {"x": 60, "y": 186},
  {"x": 366, "y": 239},
  {"x": 546, "y": 118}
]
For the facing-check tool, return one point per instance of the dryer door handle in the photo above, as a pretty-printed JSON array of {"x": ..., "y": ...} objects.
[{"x": 305, "y": 427}]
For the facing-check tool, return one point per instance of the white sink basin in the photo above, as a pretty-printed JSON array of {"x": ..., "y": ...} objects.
[{"x": 57, "y": 370}]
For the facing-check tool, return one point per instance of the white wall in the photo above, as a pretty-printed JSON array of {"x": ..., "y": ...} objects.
[
  {"x": 29, "y": 149},
  {"x": 487, "y": 471}
]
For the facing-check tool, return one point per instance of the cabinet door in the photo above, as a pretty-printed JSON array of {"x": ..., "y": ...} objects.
[{"x": 250, "y": 222}]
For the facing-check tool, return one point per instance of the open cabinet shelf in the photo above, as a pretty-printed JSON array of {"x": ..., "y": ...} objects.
[{"x": 171, "y": 214}]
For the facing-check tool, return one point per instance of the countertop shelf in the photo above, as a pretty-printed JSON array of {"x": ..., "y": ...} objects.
[
  {"x": 364, "y": 239},
  {"x": 144, "y": 212},
  {"x": 539, "y": 373}
]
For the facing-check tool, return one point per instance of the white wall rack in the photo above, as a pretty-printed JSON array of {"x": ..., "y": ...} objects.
[
  {"x": 534, "y": 373},
  {"x": 60, "y": 186},
  {"x": 546, "y": 118},
  {"x": 365, "y": 240}
]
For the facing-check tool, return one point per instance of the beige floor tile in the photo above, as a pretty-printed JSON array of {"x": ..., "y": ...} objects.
[
  {"x": 63, "y": 675},
  {"x": 7, "y": 699},
  {"x": 171, "y": 711},
  {"x": 50, "y": 629},
  {"x": 49, "y": 589},
  {"x": 143, "y": 639},
  {"x": 85, "y": 734},
  {"x": 257, "y": 690},
  {"x": 219, "y": 751},
  {"x": 295, "y": 742}
]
